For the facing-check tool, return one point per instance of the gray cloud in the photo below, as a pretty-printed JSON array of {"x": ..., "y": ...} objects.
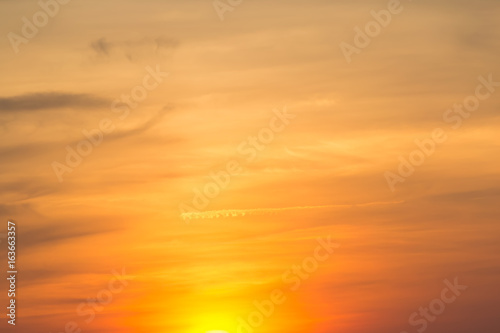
[
  {"x": 51, "y": 100},
  {"x": 468, "y": 195},
  {"x": 101, "y": 46},
  {"x": 52, "y": 234},
  {"x": 144, "y": 127},
  {"x": 133, "y": 50}
]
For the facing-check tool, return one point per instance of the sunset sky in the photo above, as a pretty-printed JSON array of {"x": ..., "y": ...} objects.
[{"x": 251, "y": 141}]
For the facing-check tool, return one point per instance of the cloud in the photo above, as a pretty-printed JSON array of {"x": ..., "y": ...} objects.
[
  {"x": 101, "y": 46},
  {"x": 264, "y": 211},
  {"x": 144, "y": 127},
  {"x": 51, "y": 100},
  {"x": 468, "y": 195},
  {"x": 133, "y": 50},
  {"x": 51, "y": 234}
]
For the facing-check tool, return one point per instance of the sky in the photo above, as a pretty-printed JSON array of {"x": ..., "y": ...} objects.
[{"x": 250, "y": 166}]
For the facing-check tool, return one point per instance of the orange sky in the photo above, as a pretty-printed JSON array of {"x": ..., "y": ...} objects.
[{"x": 222, "y": 107}]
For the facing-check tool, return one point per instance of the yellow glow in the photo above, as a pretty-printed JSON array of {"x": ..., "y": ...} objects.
[{"x": 214, "y": 323}]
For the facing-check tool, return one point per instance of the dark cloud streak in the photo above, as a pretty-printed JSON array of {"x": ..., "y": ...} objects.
[
  {"x": 133, "y": 50},
  {"x": 51, "y": 100}
]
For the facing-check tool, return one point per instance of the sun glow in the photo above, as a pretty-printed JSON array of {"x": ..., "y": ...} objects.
[{"x": 214, "y": 323}]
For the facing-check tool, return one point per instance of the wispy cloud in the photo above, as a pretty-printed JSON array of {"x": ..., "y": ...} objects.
[
  {"x": 133, "y": 50},
  {"x": 154, "y": 120},
  {"x": 50, "y": 100},
  {"x": 265, "y": 211}
]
